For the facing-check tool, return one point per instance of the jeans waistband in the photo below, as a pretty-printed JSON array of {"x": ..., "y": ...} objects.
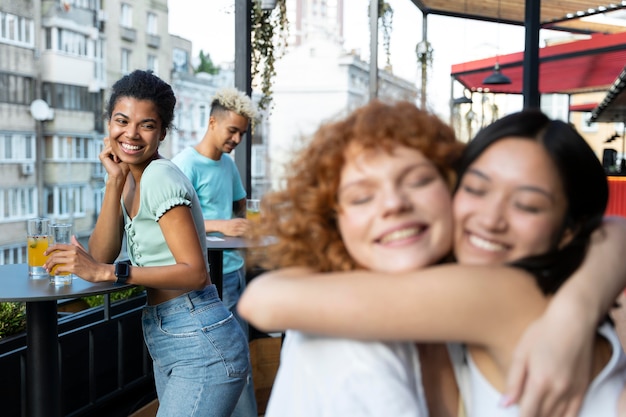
[{"x": 188, "y": 301}]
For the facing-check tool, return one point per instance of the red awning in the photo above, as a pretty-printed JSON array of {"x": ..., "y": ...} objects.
[
  {"x": 585, "y": 107},
  {"x": 574, "y": 67}
]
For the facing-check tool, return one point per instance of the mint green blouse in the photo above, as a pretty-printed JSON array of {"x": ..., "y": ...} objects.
[{"x": 162, "y": 187}]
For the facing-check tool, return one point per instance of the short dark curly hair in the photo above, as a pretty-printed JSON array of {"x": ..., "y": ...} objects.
[{"x": 144, "y": 85}]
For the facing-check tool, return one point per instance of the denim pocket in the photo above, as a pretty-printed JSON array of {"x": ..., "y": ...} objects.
[{"x": 231, "y": 345}]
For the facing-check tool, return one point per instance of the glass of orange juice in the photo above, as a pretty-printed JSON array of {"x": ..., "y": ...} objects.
[
  {"x": 60, "y": 233},
  {"x": 253, "y": 209},
  {"x": 37, "y": 237}
]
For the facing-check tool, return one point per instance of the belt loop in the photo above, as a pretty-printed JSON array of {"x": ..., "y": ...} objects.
[{"x": 189, "y": 301}]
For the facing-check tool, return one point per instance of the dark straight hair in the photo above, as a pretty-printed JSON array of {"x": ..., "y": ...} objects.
[{"x": 584, "y": 182}]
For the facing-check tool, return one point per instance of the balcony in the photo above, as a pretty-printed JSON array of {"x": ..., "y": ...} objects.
[
  {"x": 153, "y": 41},
  {"x": 128, "y": 34},
  {"x": 105, "y": 367}
]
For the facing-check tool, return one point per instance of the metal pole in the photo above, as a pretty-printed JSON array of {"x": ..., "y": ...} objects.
[
  {"x": 243, "y": 82},
  {"x": 42, "y": 360},
  {"x": 373, "y": 49},
  {"x": 530, "y": 88},
  {"x": 425, "y": 63}
]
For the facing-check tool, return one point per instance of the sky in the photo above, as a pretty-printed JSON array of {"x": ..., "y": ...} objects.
[{"x": 209, "y": 24}]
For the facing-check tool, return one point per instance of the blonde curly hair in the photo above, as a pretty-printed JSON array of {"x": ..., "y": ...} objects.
[
  {"x": 302, "y": 216},
  {"x": 231, "y": 99}
]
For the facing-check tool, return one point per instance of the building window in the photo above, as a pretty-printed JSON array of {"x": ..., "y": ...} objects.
[
  {"x": 125, "y": 61},
  {"x": 13, "y": 254},
  {"x": 72, "y": 43},
  {"x": 66, "y": 200},
  {"x": 126, "y": 16},
  {"x": 18, "y": 203},
  {"x": 17, "y": 147},
  {"x": 16, "y": 89},
  {"x": 152, "y": 24},
  {"x": 180, "y": 58},
  {"x": 586, "y": 126},
  {"x": 203, "y": 112},
  {"x": 153, "y": 63},
  {"x": 17, "y": 30},
  {"x": 69, "y": 97},
  {"x": 257, "y": 161},
  {"x": 64, "y": 148}
]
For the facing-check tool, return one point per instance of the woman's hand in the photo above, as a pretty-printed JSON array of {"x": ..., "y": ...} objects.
[
  {"x": 551, "y": 366},
  {"x": 114, "y": 166},
  {"x": 73, "y": 258}
]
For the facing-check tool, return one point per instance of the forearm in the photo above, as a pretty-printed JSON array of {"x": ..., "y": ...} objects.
[
  {"x": 105, "y": 241},
  {"x": 594, "y": 287},
  {"x": 215, "y": 226}
]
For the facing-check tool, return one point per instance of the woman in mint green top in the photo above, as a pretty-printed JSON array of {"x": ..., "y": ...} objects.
[{"x": 199, "y": 352}]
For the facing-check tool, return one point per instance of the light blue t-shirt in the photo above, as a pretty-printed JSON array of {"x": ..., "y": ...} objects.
[{"x": 218, "y": 185}]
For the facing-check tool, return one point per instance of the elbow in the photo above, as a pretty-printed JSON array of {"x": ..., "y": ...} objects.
[
  {"x": 201, "y": 280},
  {"x": 250, "y": 307}
]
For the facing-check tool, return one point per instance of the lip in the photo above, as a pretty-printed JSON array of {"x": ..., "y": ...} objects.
[
  {"x": 402, "y": 234},
  {"x": 130, "y": 151},
  {"x": 484, "y": 244}
]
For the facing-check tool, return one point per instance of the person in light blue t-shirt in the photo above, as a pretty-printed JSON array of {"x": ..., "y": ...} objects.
[{"x": 223, "y": 197}]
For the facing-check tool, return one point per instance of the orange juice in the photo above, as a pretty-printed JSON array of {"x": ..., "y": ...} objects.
[
  {"x": 253, "y": 215},
  {"x": 37, "y": 245}
]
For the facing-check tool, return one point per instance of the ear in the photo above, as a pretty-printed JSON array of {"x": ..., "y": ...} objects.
[
  {"x": 212, "y": 122},
  {"x": 566, "y": 237}
]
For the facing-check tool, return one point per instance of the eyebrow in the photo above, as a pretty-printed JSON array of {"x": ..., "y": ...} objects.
[
  {"x": 531, "y": 188},
  {"x": 143, "y": 121},
  {"x": 405, "y": 172}
]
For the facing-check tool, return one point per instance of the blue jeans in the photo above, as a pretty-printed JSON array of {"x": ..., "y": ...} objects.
[
  {"x": 233, "y": 285},
  {"x": 200, "y": 355}
]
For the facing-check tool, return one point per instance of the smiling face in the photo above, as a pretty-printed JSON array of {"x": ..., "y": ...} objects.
[
  {"x": 227, "y": 129},
  {"x": 394, "y": 210},
  {"x": 510, "y": 204},
  {"x": 135, "y": 130}
]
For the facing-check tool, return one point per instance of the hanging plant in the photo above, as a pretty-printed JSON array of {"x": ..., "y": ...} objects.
[
  {"x": 385, "y": 19},
  {"x": 269, "y": 39}
]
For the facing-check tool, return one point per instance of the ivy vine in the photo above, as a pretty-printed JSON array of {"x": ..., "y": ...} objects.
[
  {"x": 269, "y": 39},
  {"x": 385, "y": 18}
]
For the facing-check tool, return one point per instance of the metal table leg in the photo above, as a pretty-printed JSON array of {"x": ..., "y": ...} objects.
[{"x": 42, "y": 360}]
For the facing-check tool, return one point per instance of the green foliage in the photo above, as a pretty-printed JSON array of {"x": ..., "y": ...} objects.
[
  {"x": 97, "y": 300},
  {"x": 385, "y": 18},
  {"x": 206, "y": 64},
  {"x": 269, "y": 40},
  {"x": 12, "y": 318},
  {"x": 13, "y": 315}
]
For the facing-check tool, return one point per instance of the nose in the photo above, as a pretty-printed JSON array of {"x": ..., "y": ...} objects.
[
  {"x": 395, "y": 201},
  {"x": 492, "y": 215},
  {"x": 236, "y": 138},
  {"x": 131, "y": 131}
]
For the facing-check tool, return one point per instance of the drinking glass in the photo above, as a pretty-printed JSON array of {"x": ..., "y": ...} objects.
[
  {"x": 60, "y": 233},
  {"x": 37, "y": 239},
  {"x": 253, "y": 208}
]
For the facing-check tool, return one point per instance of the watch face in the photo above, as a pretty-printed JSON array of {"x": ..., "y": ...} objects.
[{"x": 122, "y": 270}]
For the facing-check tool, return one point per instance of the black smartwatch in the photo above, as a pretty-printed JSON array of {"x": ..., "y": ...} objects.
[{"x": 122, "y": 271}]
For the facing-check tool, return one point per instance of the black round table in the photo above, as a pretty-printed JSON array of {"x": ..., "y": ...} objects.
[
  {"x": 43, "y": 388},
  {"x": 217, "y": 244}
]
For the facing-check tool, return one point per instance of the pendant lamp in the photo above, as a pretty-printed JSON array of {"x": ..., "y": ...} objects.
[{"x": 496, "y": 77}]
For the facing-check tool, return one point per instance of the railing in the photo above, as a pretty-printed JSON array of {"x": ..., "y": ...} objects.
[{"x": 104, "y": 365}]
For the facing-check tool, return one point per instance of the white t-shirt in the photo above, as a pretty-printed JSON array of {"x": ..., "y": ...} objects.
[
  {"x": 332, "y": 377},
  {"x": 481, "y": 398}
]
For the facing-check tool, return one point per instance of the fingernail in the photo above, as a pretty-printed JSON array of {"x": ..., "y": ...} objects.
[{"x": 505, "y": 401}]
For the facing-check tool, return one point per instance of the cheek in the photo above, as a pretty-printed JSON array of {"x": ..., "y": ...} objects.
[{"x": 537, "y": 235}]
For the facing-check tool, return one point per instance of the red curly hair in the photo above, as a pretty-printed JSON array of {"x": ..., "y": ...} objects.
[{"x": 302, "y": 216}]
